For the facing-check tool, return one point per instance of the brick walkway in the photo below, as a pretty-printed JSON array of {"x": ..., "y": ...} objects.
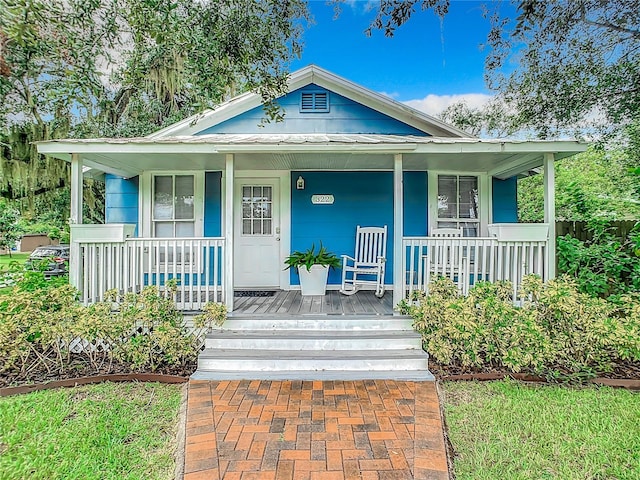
[{"x": 314, "y": 430}]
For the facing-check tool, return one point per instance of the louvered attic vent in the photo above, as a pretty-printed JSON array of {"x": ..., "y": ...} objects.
[{"x": 314, "y": 102}]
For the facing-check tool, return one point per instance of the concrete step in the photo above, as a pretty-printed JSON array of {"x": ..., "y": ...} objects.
[
  {"x": 313, "y": 340},
  {"x": 320, "y": 322},
  {"x": 402, "y": 375},
  {"x": 317, "y": 360}
]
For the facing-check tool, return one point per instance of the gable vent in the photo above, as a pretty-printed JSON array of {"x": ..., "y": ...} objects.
[{"x": 314, "y": 102}]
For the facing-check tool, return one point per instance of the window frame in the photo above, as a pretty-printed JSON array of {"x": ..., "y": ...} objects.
[
  {"x": 484, "y": 200},
  {"x": 147, "y": 199}
]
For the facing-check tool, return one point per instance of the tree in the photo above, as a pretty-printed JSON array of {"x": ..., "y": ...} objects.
[
  {"x": 589, "y": 186},
  {"x": 578, "y": 61},
  {"x": 128, "y": 67},
  {"x": 493, "y": 119},
  {"x": 578, "y": 64},
  {"x": 9, "y": 231}
]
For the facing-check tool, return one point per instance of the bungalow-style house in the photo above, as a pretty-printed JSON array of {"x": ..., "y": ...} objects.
[{"x": 218, "y": 201}]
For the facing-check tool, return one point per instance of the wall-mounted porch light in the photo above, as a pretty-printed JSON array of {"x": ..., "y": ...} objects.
[{"x": 300, "y": 183}]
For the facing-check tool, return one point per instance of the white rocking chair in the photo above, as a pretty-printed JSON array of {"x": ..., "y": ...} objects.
[{"x": 368, "y": 261}]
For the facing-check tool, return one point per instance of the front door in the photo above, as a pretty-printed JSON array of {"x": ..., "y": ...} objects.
[{"x": 257, "y": 233}]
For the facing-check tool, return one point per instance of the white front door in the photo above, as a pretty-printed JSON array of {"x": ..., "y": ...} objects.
[{"x": 256, "y": 262}]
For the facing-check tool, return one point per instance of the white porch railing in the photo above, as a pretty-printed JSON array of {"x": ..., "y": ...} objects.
[
  {"x": 196, "y": 263},
  {"x": 466, "y": 260}
]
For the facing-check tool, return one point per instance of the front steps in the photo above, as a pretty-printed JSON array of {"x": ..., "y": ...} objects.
[{"x": 313, "y": 347}]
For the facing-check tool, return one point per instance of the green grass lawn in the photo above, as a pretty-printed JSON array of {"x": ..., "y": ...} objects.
[
  {"x": 509, "y": 430},
  {"x": 106, "y": 431},
  {"x": 5, "y": 260}
]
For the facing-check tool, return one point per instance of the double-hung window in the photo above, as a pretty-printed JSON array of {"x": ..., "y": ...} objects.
[
  {"x": 458, "y": 203},
  {"x": 173, "y": 206}
]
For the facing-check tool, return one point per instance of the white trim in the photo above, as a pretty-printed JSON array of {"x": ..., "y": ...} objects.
[
  {"x": 484, "y": 203},
  {"x": 144, "y": 205},
  {"x": 228, "y": 230},
  {"x": 285, "y": 226},
  {"x": 490, "y": 202},
  {"x": 550, "y": 211},
  {"x": 146, "y": 201},
  {"x": 75, "y": 263},
  {"x": 398, "y": 229}
]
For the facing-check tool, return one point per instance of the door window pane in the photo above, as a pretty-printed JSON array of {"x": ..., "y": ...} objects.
[{"x": 257, "y": 209}]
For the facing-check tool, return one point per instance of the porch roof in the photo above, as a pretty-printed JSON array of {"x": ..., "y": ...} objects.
[{"x": 128, "y": 157}]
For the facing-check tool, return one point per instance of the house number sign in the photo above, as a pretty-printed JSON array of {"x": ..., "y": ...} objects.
[{"x": 322, "y": 199}]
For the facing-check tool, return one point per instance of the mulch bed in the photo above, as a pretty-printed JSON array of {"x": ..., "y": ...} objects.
[
  {"x": 80, "y": 370},
  {"x": 624, "y": 375}
]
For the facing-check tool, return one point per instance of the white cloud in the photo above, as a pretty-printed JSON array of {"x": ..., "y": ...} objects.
[
  {"x": 393, "y": 95},
  {"x": 435, "y": 104},
  {"x": 361, "y": 6}
]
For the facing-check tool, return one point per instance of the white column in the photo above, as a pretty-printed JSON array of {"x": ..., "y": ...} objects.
[
  {"x": 75, "y": 262},
  {"x": 228, "y": 231},
  {"x": 398, "y": 229},
  {"x": 550, "y": 211}
]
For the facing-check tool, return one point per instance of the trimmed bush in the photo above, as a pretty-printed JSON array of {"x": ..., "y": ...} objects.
[
  {"x": 47, "y": 330},
  {"x": 557, "y": 332}
]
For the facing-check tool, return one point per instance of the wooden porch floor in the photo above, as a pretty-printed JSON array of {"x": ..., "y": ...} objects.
[{"x": 293, "y": 303}]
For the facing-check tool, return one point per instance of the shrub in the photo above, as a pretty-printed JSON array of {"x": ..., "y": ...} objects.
[
  {"x": 558, "y": 331},
  {"x": 605, "y": 266},
  {"x": 47, "y": 330}
]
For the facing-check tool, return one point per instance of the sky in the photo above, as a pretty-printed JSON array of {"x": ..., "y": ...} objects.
[{"x": 427, "y": 64}]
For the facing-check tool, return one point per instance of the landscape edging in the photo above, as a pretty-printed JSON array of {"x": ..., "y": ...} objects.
[
  {"x": 628, "y": 384},
  {"x": 74, "y": 382}
]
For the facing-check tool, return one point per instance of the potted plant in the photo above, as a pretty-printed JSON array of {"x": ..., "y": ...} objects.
[{"x": 313, "y": 268}]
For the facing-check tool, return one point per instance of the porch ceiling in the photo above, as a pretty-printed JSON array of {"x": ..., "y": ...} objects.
[{"x": 130, "y": 157}]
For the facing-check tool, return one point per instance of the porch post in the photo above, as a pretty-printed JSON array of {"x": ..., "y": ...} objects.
[
  {"x": 228, "y": 231},
  {"x": 550, "y": 211},
  {"x": 75, "y": 263},
  {"x": 398, "y": 230}
]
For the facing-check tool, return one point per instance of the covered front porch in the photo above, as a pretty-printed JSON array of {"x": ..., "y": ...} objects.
[{"x": 205, "y": 266}]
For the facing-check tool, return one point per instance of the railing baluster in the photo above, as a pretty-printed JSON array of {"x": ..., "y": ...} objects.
[{"x": 462, "y": 258}]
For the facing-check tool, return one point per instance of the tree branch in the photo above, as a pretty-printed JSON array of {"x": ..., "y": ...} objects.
[{"x": 609, "y": 26}]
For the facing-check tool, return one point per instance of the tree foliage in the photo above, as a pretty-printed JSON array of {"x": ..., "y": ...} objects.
[
  {"x": 126, "y": 68},
  {"x": 594, "y": 185},
  {"x": 558, "y": 64},
  {"x": 578, "y": 63},
  {"x": 492, "y": 119},
  {"x": 9, "y": 232}
]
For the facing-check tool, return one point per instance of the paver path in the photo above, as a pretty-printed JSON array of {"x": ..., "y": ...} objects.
[{"x": 372, "y": 429}]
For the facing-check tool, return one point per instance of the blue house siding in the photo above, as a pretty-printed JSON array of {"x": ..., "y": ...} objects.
[
  {"x": 361, "y": 198},
  {"x": 121, "y": 200},
  {"x": 344, "y": 116},
  {"x": 212, "y": 204},
  {"x": 505, "y": 200},
  {"x": 415, "y": 204}
]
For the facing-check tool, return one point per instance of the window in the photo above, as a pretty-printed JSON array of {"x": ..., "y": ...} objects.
[
  {"x": 257, "y": 210},
  {"x": 314, "y": 102},
  {"x": 173, "y": 206},
  {"x": 458, "y": 203}
]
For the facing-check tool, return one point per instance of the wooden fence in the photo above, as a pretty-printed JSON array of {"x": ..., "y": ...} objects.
[{"x": 619, "y": 228}]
